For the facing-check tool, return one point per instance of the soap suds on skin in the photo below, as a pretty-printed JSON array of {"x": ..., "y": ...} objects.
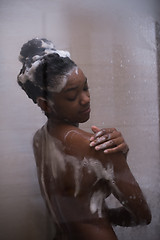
[
  {"x": 96, "y": 202},
  {"x": 76, "y": 70},
  {"x": 62, "y": 81},
  {"x": 92, "y": 165},
  {"x": 57, "y": 161},
  {"x": 60, "y": 161}
]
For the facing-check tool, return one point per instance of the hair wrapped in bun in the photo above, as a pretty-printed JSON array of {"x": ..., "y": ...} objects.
[{"x": 44, "y": 69}]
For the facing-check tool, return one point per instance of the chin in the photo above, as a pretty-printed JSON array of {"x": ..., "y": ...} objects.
[{"x": 84, "y": 119}]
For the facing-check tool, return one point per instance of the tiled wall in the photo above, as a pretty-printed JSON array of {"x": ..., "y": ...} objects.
[{"x": 118, "y": 55}]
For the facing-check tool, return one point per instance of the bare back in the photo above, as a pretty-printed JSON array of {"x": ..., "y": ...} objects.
[
  {"x": 78, "y": 179},
  {"x": 78, "y": 191}
]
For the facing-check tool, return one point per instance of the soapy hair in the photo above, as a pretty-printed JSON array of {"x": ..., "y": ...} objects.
[{"x": 44, "y": 69}]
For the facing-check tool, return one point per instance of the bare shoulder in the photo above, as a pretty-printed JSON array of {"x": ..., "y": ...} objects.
[
  {"x": 77, "y": 143},
  {"x": 76, "y": 137}
]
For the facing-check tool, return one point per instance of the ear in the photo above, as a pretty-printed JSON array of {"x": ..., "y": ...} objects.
[{"x": 43, "y": 104}]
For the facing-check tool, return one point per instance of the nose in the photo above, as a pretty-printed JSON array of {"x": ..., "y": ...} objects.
[{"x": 85, "y": 98}]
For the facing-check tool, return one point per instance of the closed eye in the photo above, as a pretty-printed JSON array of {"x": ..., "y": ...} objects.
[
  {"x": 71, "y": 99},
  {"x": 85, "y": 88},
  {"x": 72, "y": 95}
]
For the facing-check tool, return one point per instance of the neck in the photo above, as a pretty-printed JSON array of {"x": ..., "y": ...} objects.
[{"x": 52, "y": 123}]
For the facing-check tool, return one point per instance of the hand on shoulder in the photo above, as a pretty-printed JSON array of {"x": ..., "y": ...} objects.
[{"x": 109, "y": 140}]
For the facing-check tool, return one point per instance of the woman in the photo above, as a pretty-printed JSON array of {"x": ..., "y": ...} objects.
[{"x": 76, "y": 178}]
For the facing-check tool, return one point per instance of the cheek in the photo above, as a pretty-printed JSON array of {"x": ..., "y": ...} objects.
[
  {"x": 67, "y": 110},
  {"x": 71, "y": 111}
]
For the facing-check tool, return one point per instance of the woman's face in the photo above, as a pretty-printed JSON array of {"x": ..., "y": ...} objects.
[{"x": 72, "y": 104}]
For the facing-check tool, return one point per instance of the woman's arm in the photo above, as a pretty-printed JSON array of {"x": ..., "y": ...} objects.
[
  {"x": 134, "y": 210},
  {"x": 122, "y": 183},
  {"x": 122, "y": 217},
  {"x": 111, "y": 141}
]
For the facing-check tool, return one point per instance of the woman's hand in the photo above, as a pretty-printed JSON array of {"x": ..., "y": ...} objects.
[{"x": 109, "y": 140}]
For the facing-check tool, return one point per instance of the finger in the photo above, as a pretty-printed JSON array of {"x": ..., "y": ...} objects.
[
  {"x": 95, "y": 129},
  {"x": 99, "y": 140},
  {"x": 106, "y": 139},
  {"x": 118, "y": 142},
  {"x": 112, "y": 132},
  {"x": 97, "y": 134},
  {"x": 115, "y": 134},
  {"x": 115, "y": 149},
  {"x": 100, "y": 133},
  {"x": 109, "y": 132},
  {"x": 104, "y": 145}
]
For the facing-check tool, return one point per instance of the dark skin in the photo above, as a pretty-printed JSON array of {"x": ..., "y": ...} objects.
[
  {"x": 109, "y": 140},
  {"x": 71, "y": 107}
]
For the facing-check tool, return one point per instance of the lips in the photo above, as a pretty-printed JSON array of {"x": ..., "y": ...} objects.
[{"x": 86, "y": 110}]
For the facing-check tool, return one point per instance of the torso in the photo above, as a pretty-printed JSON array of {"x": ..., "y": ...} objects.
[{"x": 78, "y": 191}]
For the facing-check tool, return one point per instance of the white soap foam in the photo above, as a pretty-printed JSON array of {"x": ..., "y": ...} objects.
[{"x": 96, "y": 202}]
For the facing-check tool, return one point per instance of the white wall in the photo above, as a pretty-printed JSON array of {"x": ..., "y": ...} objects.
[{"x": 117, "y": 52}]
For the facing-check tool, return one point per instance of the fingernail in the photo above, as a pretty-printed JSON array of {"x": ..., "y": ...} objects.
[
  {"x": 97, "y": 148},
  {"x": 105, "y": 151},
  {"x": 98, "y": 134},
  {"x": 91, "y": 144},
  {"x": 102, "y": 138},
  {"x": 108, "y": 136},
  {"x": 91, "y": 139}
]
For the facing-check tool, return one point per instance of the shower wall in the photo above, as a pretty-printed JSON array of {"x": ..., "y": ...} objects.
[{"x": 118, "y": 54}]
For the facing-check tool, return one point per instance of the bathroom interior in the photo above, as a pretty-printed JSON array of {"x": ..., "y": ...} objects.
[{"x": 117, "y": 44}]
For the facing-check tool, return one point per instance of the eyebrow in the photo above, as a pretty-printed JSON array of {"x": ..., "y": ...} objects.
[
  {"x": 75, "y": 88},
  {"x": 71, "y": 89}
]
